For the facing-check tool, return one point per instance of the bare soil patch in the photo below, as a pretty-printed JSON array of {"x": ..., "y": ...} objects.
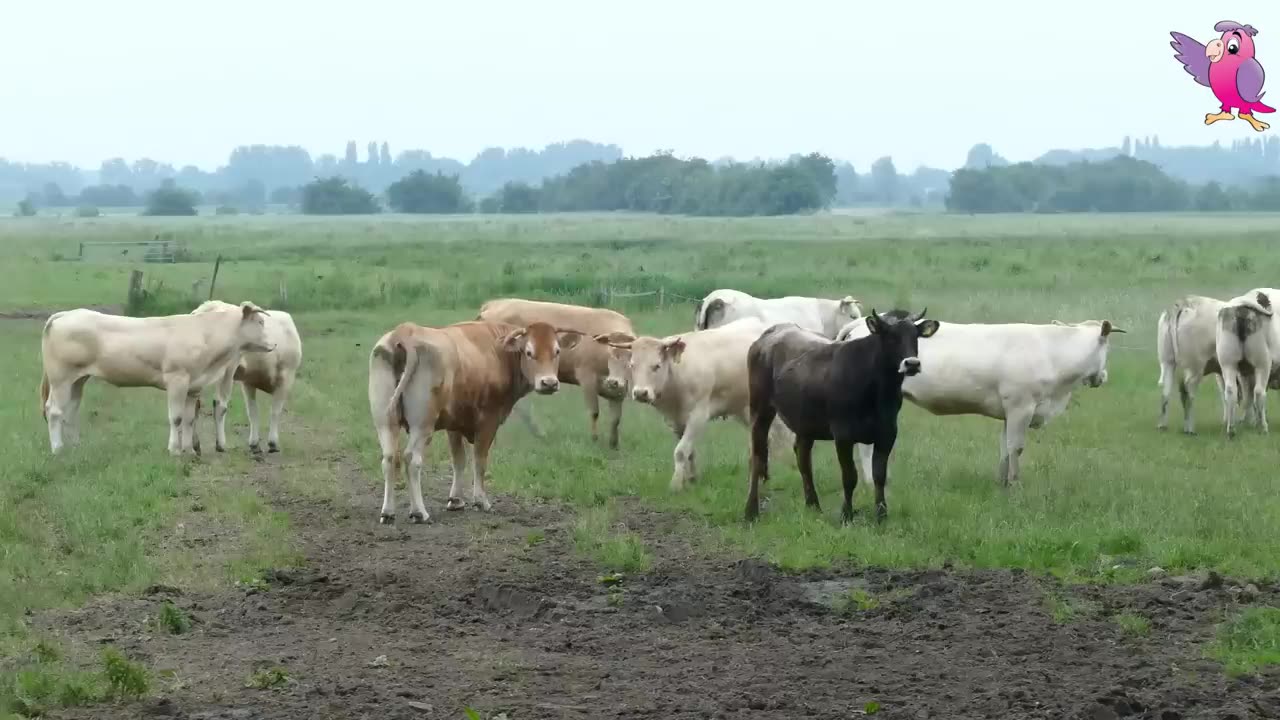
[{"x": 469, "y": 610}]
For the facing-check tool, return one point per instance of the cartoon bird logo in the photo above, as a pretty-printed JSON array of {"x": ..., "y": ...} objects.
[{"x": 1227, "y": 67}]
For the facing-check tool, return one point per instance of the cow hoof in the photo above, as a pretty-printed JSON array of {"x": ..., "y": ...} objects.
[
  {"x": 418, "y": 518},
  {"x": 255, "y": 448},
  {"x": 882, "y": 513},
  {"x": 273, "y": 447},
  {"x": 387, "y": 519},
  {"x": 482, "y": 505},
  {"x": 455, "y": 503},
  {"x": 220, "y": 448}
]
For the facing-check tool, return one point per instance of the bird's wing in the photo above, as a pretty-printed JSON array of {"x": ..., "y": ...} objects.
[
  {"x": 1191, "y": 54},
  {"x": 1249, "y": 80}
]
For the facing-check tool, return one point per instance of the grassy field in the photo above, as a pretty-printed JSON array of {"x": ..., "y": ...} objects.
[{"x": 1104, "y": 495}]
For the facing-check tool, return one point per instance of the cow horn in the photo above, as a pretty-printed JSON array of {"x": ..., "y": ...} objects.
[{"x": 920, "y": 315}]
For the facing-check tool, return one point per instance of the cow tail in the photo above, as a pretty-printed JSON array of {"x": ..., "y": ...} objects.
[
  {"x": 44, "y": 395},
  {"x": 409, "y": 352}
]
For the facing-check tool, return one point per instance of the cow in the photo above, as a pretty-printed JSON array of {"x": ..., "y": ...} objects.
[
  {"x": 179, "y": 354},
  {"x": 818, "y": 315},
  {"x": 588, "y": 364},
  {"x": 272, "y": 373},
  {"x": 1020, "y": 373},
  {"x": 691, "y": 379},
  {"x": 464, "y": 379},
  {"x": 1247, "y": 348},
  {"x": 847, "y": 392}
]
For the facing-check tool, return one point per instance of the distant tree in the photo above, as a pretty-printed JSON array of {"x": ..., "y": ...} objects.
[
  {"x": 287, "y": 195},
  {"x": 384, "y": 158},
  {"x": 1212, "y": 198},
  {"x": 251, "y": 196},
  {"x": 884, "y": 179},
  {"x": 109, "y": 196},
  {"x": 87, "y": 211},
  {"x": 373, "y": 153},
  {"x": 419, "y": 192},
  {"x": 337, "y": 196},
  {"x": 518, "y": 197},
  {"x": 26, "y": 208},
  {"x": 491, "y": 204},
  {"x": 351, "y": 159},
  {"x": 171, "y": 200},
  {"x": 982, "y": 156},
  {"x": 53, "y": 196}
]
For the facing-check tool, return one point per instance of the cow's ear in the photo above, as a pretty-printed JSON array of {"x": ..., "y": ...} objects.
[
  {"x": 568, "y": 339},
  {"x": 1108, "y": 328},
  {"x": 848, "y": 303},
  {"x": 673, "y": 349},
  {"x": 616, "y": 339},
  {"x": 246, "y": 309},
  {"x": 873, "y": 322},
  {"x": 514, "y": 340},
  {"x": 927, "y": 327}
]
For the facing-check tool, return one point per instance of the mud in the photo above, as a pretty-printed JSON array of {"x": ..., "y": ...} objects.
[{"x": 420, "y": 621}]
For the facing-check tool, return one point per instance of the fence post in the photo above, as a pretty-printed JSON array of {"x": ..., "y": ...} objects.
[
  {"x": 284, "y": 292},
  {"x": 217, "y": 264},
  {"x": 81, "y": 255},
  {"x": 135, "y": 289},
  {"x": 662, "y": 297}
]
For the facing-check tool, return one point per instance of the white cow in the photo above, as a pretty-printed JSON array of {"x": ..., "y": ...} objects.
[
  {"x": 692, "y": 379},
  {"x": 1247, "y": 348},
  {"x": 1020, "y": 373},
  {"x": 818, "y": 315},
  {"x": 1185, "y": 347},
  {"x": 272, "y": 373},
  {"x": 180, "y": 354}
]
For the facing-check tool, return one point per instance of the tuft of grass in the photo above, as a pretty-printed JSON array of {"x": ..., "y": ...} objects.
[
  {"x": 1133, "y": 624},
  {"x": 268, "y": 679},
  {"x": 534, "y": 538},
  {"x": 871, "y": 707},
  {"x": 1249, "y": 642},
  {"x": 1066, "y": 609},
  {"x": 172, "y": 619},
  {"x": 854, "y": 601},
  {"x": 125, "y": 679},
  {"x": 594, "y": 535}
]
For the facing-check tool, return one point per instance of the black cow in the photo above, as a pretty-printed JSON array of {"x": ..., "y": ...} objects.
[{"x": 849, "y": 392}]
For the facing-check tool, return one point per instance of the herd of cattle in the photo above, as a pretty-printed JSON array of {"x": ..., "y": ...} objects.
[{"x": 821, "y": 367}]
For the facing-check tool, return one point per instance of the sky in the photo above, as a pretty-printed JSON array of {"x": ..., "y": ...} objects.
[{"x": 184, "y": 82}]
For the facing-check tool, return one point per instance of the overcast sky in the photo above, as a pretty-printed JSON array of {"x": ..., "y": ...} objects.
[{"x": 184, "y": 82}]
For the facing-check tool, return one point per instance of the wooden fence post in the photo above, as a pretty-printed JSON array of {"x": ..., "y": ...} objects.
[
  {"x": 662, "y": 297},
  {"x": 135, "y": 289},
  {"x": 284, "y": 292},
  {"x": 217, "y": 264}
]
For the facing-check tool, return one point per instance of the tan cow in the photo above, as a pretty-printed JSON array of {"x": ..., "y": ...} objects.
[
  {"x": 463, "y": 378},
  {"x": 179, "y": 354},
  {"x": 692, "y": 379},
  {"x": 588, "y": 363},
  {"x": 272, "y": 373}
]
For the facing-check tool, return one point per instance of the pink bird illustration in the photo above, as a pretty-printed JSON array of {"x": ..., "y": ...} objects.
[{"x": 1226, "y": 66}]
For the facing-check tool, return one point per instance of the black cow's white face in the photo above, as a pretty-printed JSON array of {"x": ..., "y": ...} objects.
[{"x": 901, "y": 338}]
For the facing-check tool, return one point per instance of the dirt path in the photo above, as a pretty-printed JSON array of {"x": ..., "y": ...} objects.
[{"x": 419, "y": 621}]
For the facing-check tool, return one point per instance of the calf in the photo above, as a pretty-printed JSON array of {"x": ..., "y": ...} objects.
[
  {"x": 691, "y": 379},
  {"x": 1020, "y": 373},
  {"x": 818, "y": 315},
  {"x": 179, "y": 354},
  {"x": 1186, "y": 348},
  {"x": 1247, "y": 348},
  {"x": 272, "y": 373},
  {"x": 847, "y": 392},
  {"x": 463, "y": 378},
  {"x": 587, "y": 364}
]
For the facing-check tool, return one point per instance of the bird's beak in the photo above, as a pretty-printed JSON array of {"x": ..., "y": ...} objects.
[{"x": 1213, "y": 51}]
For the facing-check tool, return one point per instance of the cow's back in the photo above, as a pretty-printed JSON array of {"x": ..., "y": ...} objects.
[
  {"x": 475, "y": 374},
  {"x": 587, "y": 356}
]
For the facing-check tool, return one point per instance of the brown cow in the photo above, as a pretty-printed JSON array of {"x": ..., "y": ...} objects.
[
  {"x": 462, "y": 378},
  {"x": 590, "y": 365}
]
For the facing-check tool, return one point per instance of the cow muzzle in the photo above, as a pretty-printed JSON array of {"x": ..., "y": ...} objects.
[
  {"x": 1097, "y": 379},
  {"x": 909, "y": 366},
  {"x": 643, "y": 395},
  {"x": 546, "y": 385},
  {"x": 614, "y": 388}
]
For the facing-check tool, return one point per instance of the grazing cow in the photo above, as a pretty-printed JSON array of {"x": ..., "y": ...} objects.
[
  {"x": 272, "y": 373},
  {"x": 1247, "y": 348},
  {"x": 588, "y": 363},
  {"x": 1185, "y": 347},
  {"x": 463, "y": 378},
  {"x": 847, "y": 392},
  {"x": 179, "y": 354},
  {"x": 1020, "y": 373},
  {"x": 824, "y": 317},
  {"x": 692, "y": 379}
]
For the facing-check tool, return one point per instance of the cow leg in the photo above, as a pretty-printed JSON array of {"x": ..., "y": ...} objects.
[
  {"x": 419, "y": 439},
  {"x": 221, "y": 406},
  {"x": 761, "y": 418},
  {"x": 615, "y": 419},
  {"x": 71, "y": 418},
  {"x": 251, "y": 409},
  {"x": 484, "y": 441},
  {"x": 684, "y": 463},
  {"x": 177, "y": 395},
  {"x": 1230, "y": 396},
  {"x": 56, "y": 408},
  {"x": 1015, "y": 434},
  {"x": 848, "y": 475},
  {"x": 278, "y": 398},
  {"x": 592, "y": 399},
  {"x": 1002, "y": 471},
  {"x": 458, "y": 452},
  {"x": 865, "y": 456},
  {"x": 189, "y": 439},
  {"x": 880, "y": 472},
  {"x": 804, "y": 463},
  {"x": 1187, "y": 391},
  {"x": 1261, "y": 373},
  {"x": 1168, "y": 376}
]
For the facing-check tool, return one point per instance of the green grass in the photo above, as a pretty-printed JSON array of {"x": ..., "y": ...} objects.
[
  {"x": 1133, "y": 624},
  {"x": 1249, "y": 642},
  {"x": 1103, "y": 494}
]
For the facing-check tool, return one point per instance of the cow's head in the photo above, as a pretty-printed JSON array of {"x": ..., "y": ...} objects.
[
  {"x": 539, "y": 346},
  {"x": 847, "y": 310},
  {"x": 900, "y": 335},
  {"x": 650, "y": 361},
  {"x": 252, "y": 332},
  {"x": 616, "y": 344}
]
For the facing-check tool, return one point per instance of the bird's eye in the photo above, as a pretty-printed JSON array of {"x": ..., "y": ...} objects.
[{"x": 1233, "y": 47}]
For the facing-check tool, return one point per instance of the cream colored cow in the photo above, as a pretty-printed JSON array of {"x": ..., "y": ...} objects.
[
  {"x": 179, "y": 354},
  {"x": 272, "y": 373}
]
